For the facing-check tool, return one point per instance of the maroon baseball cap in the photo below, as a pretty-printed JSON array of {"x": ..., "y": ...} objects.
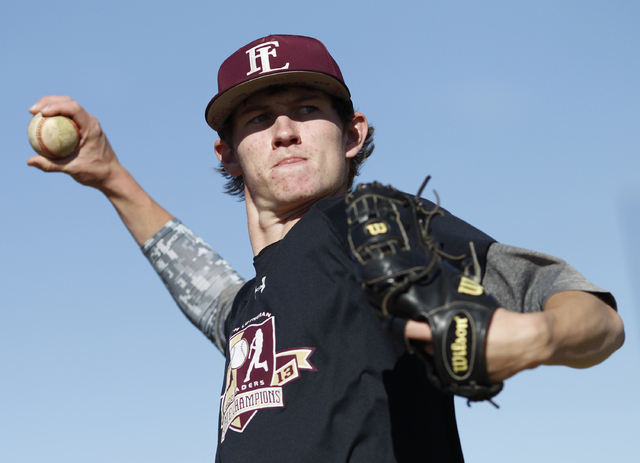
[{"x": 269, "y": 61}]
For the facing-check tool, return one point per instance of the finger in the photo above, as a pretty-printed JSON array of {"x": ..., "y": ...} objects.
[
  {"x": 67, "y": 106},
  {"x": 51, "y": 165},
  {"x": 47, "y": 100},
  {"x": 54, "y": 105},
  {"x": 419, "y": 331},
  {"x": 44, "y": 164}
]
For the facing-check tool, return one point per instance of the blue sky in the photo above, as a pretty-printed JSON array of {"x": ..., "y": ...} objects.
[{"x": 525, "y": 114}]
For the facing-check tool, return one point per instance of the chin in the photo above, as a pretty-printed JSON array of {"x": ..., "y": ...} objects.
[{"x": 304, "y": 194}]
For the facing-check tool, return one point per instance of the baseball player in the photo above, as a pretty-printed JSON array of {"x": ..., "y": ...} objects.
[{"x": 366, "y": 313}]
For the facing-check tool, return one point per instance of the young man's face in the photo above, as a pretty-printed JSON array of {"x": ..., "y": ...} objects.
[{"x": 290, "y": 147}]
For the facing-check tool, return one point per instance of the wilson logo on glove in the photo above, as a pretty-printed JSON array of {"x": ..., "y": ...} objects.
[
  {"x": 470, "y": 287},
  {"x": 458, "y": 350},
  {"x": 377, "y": 228}
]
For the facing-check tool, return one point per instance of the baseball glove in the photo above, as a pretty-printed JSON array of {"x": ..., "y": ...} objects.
[{"x": 408, "y": 277}]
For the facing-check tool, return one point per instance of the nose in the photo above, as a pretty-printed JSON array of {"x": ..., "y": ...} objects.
[{"x": 286, "y": 132}]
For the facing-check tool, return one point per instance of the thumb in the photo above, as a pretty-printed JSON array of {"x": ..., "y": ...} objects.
[
  {"x": 44, "y": 164},
  {"x": 420, "y": 331}
]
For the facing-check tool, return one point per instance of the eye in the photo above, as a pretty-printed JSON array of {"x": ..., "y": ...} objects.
[
  {"x": 307, "y": 109},
  {"x": 259, "y": 119}
]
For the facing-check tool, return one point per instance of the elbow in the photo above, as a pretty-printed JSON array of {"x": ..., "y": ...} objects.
[
  {"x": 606, "y": 336},
  {"x": 613, "y": 340},
  {"x": 618, "y": 332}
]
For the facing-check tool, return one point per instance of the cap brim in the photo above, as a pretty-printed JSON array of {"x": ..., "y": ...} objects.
[{"x": 221, "y": 106}]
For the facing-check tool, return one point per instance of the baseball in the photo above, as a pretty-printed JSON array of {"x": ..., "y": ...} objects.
[
  {"x": 239, "y": 353},
  {"x": 53, "y": 137}
]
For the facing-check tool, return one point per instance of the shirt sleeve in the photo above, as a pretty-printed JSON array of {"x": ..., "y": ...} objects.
[
  {"x": 522, "y": 280},
  {"x": 200, "y": 281}
]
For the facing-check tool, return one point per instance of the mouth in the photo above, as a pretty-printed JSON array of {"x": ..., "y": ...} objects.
[{"x": 290, "y": 161}]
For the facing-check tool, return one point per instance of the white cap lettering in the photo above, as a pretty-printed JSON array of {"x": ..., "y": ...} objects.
[{"x": 262, "y": 52}]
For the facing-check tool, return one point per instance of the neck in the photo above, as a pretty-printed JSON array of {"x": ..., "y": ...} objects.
[
  {"x": 267, "y": 227},
  {"x": 270, "y": 224}
]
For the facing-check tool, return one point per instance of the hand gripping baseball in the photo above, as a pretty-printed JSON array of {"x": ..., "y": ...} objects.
[{"x": 407, "y": 276}]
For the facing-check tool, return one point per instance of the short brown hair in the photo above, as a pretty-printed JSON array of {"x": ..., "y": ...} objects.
[{"x": 235, "y": 185}]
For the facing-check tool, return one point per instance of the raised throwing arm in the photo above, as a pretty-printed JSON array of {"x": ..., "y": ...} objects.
[
  {"x": 200, "y": 281},
  {"x": 95, "y": 164}
]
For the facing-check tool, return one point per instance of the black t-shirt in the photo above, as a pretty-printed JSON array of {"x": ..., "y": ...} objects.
[{"x": 310, "y": 374}]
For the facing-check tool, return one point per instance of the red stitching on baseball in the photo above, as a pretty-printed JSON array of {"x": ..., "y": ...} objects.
[
  {"x": 41, "y": 142},
  {"x": 43, "y": 145}
]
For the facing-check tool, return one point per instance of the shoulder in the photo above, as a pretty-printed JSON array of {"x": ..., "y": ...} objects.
[{"x": 453, "y": 233}]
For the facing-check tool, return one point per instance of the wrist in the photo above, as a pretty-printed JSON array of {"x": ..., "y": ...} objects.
[
  {"x": 516, "y": 342},
  {"x": 541, "y": 339},
  {"x": 118, "y": 183}
]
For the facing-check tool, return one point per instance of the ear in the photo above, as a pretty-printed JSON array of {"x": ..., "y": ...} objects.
[
  {"x": 356, "y": 135},
  {"x": 227, "y": 157}
]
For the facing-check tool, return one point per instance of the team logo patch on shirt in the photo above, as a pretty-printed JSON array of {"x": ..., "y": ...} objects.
[{"x": 256, "y": 374}]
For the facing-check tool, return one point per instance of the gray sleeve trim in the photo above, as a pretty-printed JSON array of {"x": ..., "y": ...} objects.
[
  {"x": 523, "y": 280},
  {"x": 200, "y": 281}
]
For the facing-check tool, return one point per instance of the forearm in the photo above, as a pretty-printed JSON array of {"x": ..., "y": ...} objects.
[
  {"x": 575, "y": 329},
  {"x": 142, "y": 216},
  {"x": 582, "y": 330}
]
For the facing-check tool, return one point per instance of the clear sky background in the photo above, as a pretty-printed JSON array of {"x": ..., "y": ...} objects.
[{"x": 526, "y": 114}]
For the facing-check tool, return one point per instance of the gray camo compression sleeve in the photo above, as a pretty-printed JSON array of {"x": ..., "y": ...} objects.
[{"x": 200, "y": 281}]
